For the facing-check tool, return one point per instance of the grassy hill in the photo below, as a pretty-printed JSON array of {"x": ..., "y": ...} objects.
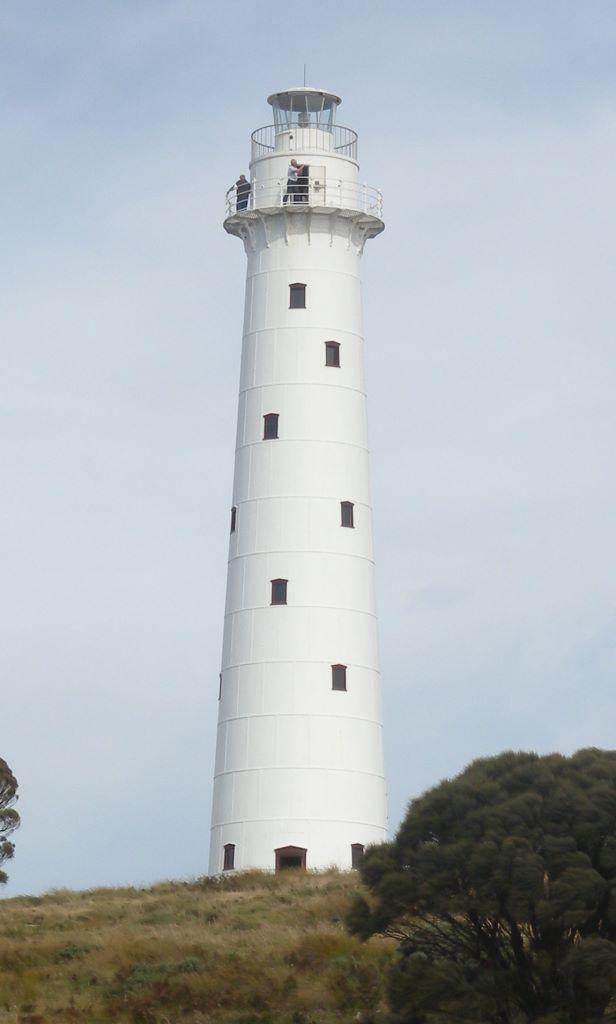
[{"x": 248, "y": 949}]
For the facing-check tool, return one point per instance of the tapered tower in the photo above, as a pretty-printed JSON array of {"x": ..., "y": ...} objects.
[{"x": 299, "y": 777}]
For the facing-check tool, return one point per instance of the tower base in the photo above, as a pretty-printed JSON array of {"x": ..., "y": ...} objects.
[{"x": 275, "y": 845}]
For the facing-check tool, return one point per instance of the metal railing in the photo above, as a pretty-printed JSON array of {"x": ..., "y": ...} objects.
[
  {"x": 333, "y": 193},
  {"x": 297, "y": 137}
]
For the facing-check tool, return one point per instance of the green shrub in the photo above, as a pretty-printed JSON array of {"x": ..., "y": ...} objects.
[{"x": 71, "y": 952}]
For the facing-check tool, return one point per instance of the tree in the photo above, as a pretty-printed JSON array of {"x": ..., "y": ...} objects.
[
  {"x": 500, "y": 888},
  {"x": 9, "y": 818}
]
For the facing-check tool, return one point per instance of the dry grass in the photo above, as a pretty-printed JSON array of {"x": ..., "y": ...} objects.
[{"x": 249, "y": 949}]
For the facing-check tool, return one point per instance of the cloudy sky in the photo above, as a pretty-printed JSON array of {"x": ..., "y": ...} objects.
[{"x": 490, "y": 322}]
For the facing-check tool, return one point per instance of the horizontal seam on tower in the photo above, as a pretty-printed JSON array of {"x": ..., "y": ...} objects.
[
  {"x": 284, "y": 817},
  {"x": 297, "y": 767},
  {"x": 304, "y": 383},
  {"x": 304, "y": 327},
  {"x": 302, "y": 497},
  {"x": 301, "y": 440},
  {"x": 300, "y": 714},
  {"x": 304, "y": 607},
  {"x": 300, "y": 551},
  {"x": 293, "y": 661},
  {"x": 303, "y": 270}
]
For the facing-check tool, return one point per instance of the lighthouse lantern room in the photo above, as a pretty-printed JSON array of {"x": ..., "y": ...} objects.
[{"x": 299, "y": 779}]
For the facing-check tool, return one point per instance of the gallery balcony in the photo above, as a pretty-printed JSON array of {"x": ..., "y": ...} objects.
[
  {"x": 316, "y": 195},
  {"x": 304, "y": 135}
]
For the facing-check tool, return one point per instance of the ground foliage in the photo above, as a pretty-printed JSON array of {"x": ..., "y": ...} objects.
[
  {"x": 9, "y": 818},
  {"x": 246, "y": 949},
  {"x": 500, "y": 888}
]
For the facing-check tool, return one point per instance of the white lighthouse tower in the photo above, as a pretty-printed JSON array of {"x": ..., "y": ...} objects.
[{"x": 299, "y": 777}]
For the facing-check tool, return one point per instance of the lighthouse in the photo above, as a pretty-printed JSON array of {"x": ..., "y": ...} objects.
[{"x": 299, "y": 777}]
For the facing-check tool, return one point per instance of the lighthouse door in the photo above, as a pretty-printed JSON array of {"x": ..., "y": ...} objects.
[
  {"x": 316, "y": 180},
  {"x": 290, "y": 857}
]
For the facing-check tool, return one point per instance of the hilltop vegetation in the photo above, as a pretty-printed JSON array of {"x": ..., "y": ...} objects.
[{"x": 249, "y": 949}]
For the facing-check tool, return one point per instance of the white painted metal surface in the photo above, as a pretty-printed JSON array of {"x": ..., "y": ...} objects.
[
  {"x": 339, "y": 140},
  {"x": 299, "y": 764}
]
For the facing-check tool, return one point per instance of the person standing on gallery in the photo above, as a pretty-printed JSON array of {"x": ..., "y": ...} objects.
[
  {"x": 292, "y": 173},
  {"x": 242, "y": 192}
]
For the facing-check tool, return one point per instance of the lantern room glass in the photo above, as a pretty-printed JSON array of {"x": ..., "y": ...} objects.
[{"x": 308, "y": 108}]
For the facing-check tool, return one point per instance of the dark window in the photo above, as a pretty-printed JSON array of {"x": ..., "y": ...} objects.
[
  {"x": 229, "y": 859},
  {"x": 270, "y": 426},
  {"x": 338, "y": 677},
  {"x": 297, "y": 296},
  {"x": 357, "y": 853},
  {"x": 290, "y": 857},
  {"x": 346, "y": 513},
  {"x": 233, "y": 519},
  {"x": 279, "y": 591},
  {"x": 332, "y": 353},
  {"x": 220, "y": 686}
]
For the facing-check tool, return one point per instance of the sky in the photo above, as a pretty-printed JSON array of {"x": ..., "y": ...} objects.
[{"x": 491, "y": 368}]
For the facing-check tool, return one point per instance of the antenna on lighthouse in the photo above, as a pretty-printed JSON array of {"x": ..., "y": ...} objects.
[{"x": 304, "y": 76}]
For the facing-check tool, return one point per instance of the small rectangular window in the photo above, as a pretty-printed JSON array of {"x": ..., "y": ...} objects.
[
  {"x": 270, "y": 426},
  {"x": 346, "y": 513},
  {"x": 297, "y": 296},
  {"x": 279, "y": 591},
  {"x": 229, "y": 857},
  {"x": 339, "y": 677},
  {"x": 332, "y": 353},
  {"x": 219, "y": 685},
  {"x": 233, "y": 519},
  {"x": 357, "y": 854}
]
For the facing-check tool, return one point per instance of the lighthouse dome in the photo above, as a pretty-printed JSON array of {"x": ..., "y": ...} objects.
[{"x": 303, "y": 95}]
